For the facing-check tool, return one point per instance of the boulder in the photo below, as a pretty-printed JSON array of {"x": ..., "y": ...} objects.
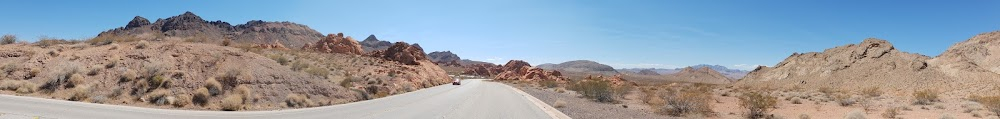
[{"x": 336, "y": 43}]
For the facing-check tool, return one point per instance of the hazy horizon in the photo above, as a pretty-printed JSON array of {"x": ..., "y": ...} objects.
[{"x": 632, "y": 34}]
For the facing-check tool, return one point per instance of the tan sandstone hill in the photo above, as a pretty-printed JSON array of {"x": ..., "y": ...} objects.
[{"x": 701, "y": 75}]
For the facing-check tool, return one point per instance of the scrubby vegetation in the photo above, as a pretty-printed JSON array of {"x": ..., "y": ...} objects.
[
  {"x": 232, "y": 102},
  {"x": 596, "y": 89},
  {"x": 872, "y": 92},
  {"x": 687, "y": 103},
  {"x": 925, "y": 97},
  {"x": 297, "y": 100},
  {"x": 992, "y": 103},
  {"x": 757, "y": 104},
  {"x": 8, "y": 39}
]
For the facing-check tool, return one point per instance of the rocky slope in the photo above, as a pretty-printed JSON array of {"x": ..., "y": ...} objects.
[
  {"x": 191, "y": 27},
  {"x": 872, "y": 63},
  {"x": 445, "y": 58},
  {"x": 973, "y": 58},
  {"x": 703, "y": 75},
  {"x": 584, "y": 66}
]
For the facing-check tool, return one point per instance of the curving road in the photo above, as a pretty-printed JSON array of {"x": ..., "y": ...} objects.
[{"x": 475, "y": 99}]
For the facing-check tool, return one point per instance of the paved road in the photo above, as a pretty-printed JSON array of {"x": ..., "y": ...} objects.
[{"x": 475, "y": 99}]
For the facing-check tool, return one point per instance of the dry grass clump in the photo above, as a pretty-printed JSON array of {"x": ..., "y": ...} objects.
[
  {"x": 687, "y": 103},
  {"x": 201, "y": 96},
  {"x": 871, "y": 92},
  {"x": 318, "y": 71},
  {"x": 44, "y": 41},
  {"x": 160, "y": 97},
  {"x": 280, "y": 59},
  {"x": 298, "y": 100},
  {"x": 992, "y": 103},
  {"x": 243, "y": 91},
  {"x": 61, "y": 76},
  {"x": 232, "y": 102},
  {"x": 232, "y": 77},
  {"x": 213, "y": 87},
  {"x": 81, "y": 93},
  {"x": 128, "y": 76},
  {"x": 757, "y": 104},
  {"x": 19, "y": 86},
  {"x": 182, "y": 100},
  {"x": 559, "y": 103},
  {"x": 925, "y": 97},
  {"x": 142, "y": 44},
  {"x": 76, "y": 79},
  {"x": 9, "y": 68},
  {"x": 891, "y": 112},
  {"x": 844, "y": 99},
  {"x": 8, "y": 39},
  {"x": 548, "y": 83}
]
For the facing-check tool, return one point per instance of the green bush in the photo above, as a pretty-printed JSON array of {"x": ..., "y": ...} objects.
[{"x": 757, "y": 104}]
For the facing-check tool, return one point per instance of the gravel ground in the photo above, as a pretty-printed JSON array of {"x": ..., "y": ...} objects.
[{"x": 581, "y": 108}]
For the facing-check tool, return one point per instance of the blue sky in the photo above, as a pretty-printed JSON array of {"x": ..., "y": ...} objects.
[{"x": 624, "y": 33}]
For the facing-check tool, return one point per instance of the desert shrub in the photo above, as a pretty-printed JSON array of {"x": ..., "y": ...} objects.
[
  {"x": 844, "y": 99},
  {"x": 81, "y": 93},
  {"x": 94, "y": 70},
  {"x": 128, "y": 76},
  {"x": 925, "y": 97},
  {"x": 19, "y": 86},
  {"x": 595, "y": 89},
  {"x": 44, "y": 41},
  {"x": 99, "y": 99},
  {"x": 548, "y": 83},
  {"x": 159, "y": 81},
  {"x": 803, "y": 116},
  {"x": 348, "y": 83},
  {"x": 232, "y": 77},
  {"x": 299, "y": 66},
  {"x": 297, "y": 100},
  {"x": 687, "y": 103},
  {"x": 142, "y": 44},
  {"x": 9, "y": 68},
  {"x": 232, "y": 102},
  {"x": 796, "y": 101},
  {"x": 8, "y": 39},
  {"x": 992, "y": 103},
  {"x": 757, "y": 104},
  {"x": 280, "y": 59},
  {"x": 891, "y": 112},
  {"x": 871, "y": 92},
  {"x": 559, "y": 103},
  {"x": 213, "y": 86},
  {"x": 108, "y": 39},
  {"x": 159, "y": 97},
  {"x": 117, "y": 92},
  {"x": 318, "y": 71},
  {"x": 201, "y": 96},
  {"x": 32, "y": 73},
  {"x": 826, "y": 90},
  {"x": 182, "y": 100},
  {"x": 856, "y": 114},
  {"x": 243, "y": 91},
  {"x": 75, "y": 79},
  {"x": 226, "y": 42}
]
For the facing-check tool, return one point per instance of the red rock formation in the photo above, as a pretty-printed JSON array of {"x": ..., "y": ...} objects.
[
  {"x": 402, "y": 52},
  {"x": 482, "y": 69},
  {"x": 336, "y": 43},
  {"x": 520, "y": 70}
]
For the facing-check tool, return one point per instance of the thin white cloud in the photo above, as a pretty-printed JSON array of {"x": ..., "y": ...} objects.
[{"x": 746, "y": 66}]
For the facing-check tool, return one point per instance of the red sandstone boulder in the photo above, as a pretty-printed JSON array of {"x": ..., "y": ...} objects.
[{"x": 336, "y": 43}]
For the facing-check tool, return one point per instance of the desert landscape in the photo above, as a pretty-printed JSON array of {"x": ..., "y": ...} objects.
[{"x": 585, "y": 60}]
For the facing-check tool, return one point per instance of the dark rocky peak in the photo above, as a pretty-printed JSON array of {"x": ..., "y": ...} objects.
[
  {"x": 371, "y": 38},
  {"x": 137, "y": 22}
]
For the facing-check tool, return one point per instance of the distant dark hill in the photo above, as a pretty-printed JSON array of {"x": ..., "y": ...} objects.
[
  {"x": 372, "y": 44},
  {"x": 191, "y": 27},
  {"x": 584, "y": 66},
  {"x": 733, "y": 74},
  {"x": 444, "y": 58}
]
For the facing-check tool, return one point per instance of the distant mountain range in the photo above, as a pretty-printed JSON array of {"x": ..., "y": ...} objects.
[
  {"x": 734, "y": 74},
  {"x": 583, "y": 66}
]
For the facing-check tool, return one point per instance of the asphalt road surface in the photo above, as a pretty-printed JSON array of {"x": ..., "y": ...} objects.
[{"x": 474, "y": 99}]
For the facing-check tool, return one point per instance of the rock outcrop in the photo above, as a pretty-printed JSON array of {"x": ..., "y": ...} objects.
[
  {"x": 520, "y": 70},
  {"x": 402, "y": 52},
  {"x": 372, "y": 43},
  {"x": 647, "y": 72},
  {"x": 336, "y": 43},
  {"x": 873, "y": 62},
  {"x": 583, "y": 66},
  {"x": 974, "y": 55},
  {"x": 191, "y": 26},
  {"x": 702, "y": 74},
  {"x": 445, "y": 58}
]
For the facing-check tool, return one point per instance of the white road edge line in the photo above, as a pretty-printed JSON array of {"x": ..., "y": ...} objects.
[{"x": 553, "y": 112}]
